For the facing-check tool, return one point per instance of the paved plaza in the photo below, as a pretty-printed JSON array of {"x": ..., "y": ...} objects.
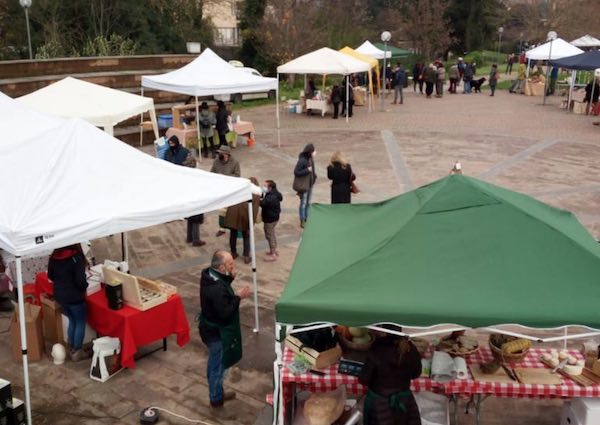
[{"x": 509, "y": 140}]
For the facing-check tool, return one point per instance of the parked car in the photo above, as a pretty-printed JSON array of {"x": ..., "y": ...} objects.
[{"x": 238, "y": 97}]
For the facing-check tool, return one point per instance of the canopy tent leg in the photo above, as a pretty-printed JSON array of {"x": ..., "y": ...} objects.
[
  {"x": 23, "y": 338},
  {"x": 198, "y": 130},
  {"x": 152, "y": 113},
  {"x": 277, "y": 112},
  {"x": 527, "y": 70},
  {"x": 566, "y": 337},
  {"x": 253, "y": 256},
  {"x": 548, "y": 67},
  {"x": 590, "y": 104},
  {"x": 124, "y": 247},
  {"x": 347, "y": 95},
  {"x": 277, "y": 366},
  {"x": 573, "y": 75}
]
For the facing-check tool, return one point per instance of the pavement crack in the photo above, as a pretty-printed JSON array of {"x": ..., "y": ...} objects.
[{"x": 520, "y": 156}]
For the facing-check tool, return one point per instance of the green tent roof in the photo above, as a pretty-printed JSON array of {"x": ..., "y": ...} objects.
[
  {"x": 458, "y": 250},
  {"x": 396, "y": 51}
]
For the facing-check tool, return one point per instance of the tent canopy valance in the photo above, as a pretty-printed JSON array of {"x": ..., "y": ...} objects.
[
  {"x": 587, "y": 41},
  {"x": 587, "y": 61},
  {"x": 209, "y": 75},
  {"x": 324, "y": 61},
  {"x": 560, "y": 49},
  {"x": 100, "y": 106},
  {"x": 458, "y": 250},
  {"x": 72, "y": 182}
]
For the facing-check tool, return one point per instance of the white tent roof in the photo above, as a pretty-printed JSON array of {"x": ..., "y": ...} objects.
[
  {"x": 586, "y": 41},
  {"x": 369, "y": 49},
  {"x": 560, "y": 49},
  {"x": 208, "y": 75},
  {"x": 98, "y": 105},
  {"x": 324, "y": 61},
  {"x": 66, "y": 181}
]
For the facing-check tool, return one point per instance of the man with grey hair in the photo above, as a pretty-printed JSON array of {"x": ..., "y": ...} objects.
[{"x": 219, "y": 325}]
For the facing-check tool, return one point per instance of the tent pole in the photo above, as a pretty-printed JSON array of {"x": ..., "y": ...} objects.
[
  {"x": 277, "y": 366},
  {"x": 142, "y": 124},
  {"x": 573, "y": 76},
  {"x": 547, "y": 72},
  {"x": 347, "y": 97},
  {"x": 23, "y": 338},
  {"x": 198, "y": 130},
  {"x": 253, "y": 256},
  {"x": 590, "y": 105},
  {"x": 124, "y": 248},
  {"x": 527, "y": 70},
  {"x": 277, "y": 112}
]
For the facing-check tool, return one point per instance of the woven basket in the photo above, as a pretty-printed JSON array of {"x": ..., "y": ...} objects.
[
  {"x": 506, "y": 358},
  {"x": 354, "y": 346}
]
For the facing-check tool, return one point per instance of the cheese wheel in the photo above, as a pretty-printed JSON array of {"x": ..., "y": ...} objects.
[
  {"x": 547, "y": 357},
  {"x": 572, "y": 360},
  {"x": 581, "y": 363},
  {"x": 554, "y": 362},
  {"x": 563, "y": 355},
  {"x": 573, "y": 369}
]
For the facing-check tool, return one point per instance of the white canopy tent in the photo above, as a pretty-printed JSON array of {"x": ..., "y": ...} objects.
[
  {"x": 100, "y": 106},
  {"x": 324, "y": 61},
  {"x": 551, "y": 50},
  {"x": 369, "y": 49},
  {"x": 72, "y": 182},
  {"x": 586, "y": 41},
  {"x": 208, "y": 75}
]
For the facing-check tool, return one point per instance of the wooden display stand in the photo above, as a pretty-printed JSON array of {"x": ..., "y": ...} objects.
[
  {"x": 141, "y": 294},
  {"x": 178, "y": 110}
]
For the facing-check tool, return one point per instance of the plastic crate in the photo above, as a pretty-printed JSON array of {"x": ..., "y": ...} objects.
[{"x": 165, "y": 121}]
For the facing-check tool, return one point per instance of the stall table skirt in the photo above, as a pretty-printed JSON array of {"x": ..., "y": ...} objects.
[{"x": 136, "y": 328}]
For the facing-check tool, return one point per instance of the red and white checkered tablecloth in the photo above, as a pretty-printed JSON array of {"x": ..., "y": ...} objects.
[{"x": 333, "y": 379}]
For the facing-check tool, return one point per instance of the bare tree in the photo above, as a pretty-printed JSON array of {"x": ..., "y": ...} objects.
[{"x": 426, "y": 26}]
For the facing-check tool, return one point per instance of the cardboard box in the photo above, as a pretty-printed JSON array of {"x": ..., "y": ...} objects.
[
  {"x": 52, "y": 320},
  {"x": 35, "y": 334},
  {"x": 587, "y": 410}
]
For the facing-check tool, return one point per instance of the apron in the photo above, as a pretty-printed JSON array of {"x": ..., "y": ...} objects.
[
  {"x": 231, "y": 334},
  {"x": 396, "y": 401}
]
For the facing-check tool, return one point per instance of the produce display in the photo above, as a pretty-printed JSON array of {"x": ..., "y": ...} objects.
[
  {"x": 458, "y": 344},
  {"x": 355, "y": 338}
]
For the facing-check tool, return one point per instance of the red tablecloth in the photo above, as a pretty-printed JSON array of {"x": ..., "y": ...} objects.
[
  {"x": 333, "y": 379},
  {"x": 136, "y": 328}
]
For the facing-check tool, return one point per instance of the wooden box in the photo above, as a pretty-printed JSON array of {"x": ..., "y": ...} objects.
[
  {"x": 319, "y": 360},
  {"x": 137, "y": 293}
]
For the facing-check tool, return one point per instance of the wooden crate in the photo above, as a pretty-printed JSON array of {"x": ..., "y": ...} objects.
[
  {"x": 319, "y": 360},
  {"x": 141, "y": 294}
]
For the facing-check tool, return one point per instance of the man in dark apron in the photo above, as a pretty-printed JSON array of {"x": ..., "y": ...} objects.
[{"x": 219, "y": 324}]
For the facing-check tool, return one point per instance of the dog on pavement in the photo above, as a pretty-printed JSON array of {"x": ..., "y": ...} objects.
[{"x": 476, "y": 84}]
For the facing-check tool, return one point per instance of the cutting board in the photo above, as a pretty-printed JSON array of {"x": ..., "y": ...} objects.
[{"x": 526, "y": 375}]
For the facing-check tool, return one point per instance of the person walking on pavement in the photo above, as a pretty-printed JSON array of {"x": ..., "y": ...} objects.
[
  {"x": 399, "y": 80},
  {"x": 270, "y": 207},
  {"x": 340, "y": 173},
  {"x": 207, "y": 120},
  {"x": 467, "y": 78},
  {"x": 493, "y": 78},
  {"x": 417, "y": 72},
  {"x": 350, "y": 91},
  {"x": 453, "y": 75},
  {"x": 305, "y": 177},
  {"x": 336, "y": 98},
  {"x": 440, "y": 80},
  {"x": 228, "y": 166},
  {"x": 430, "y": 78},
  {"x": 222, "y": 124},
  {"x": 219, "y": 326},
  {"x": 237, "y": 220}
]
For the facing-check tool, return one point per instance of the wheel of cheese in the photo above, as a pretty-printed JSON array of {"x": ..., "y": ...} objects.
[
  {"x": 573, "y": 369},
  {"x": 547, "y": 357},
  {"x": 563, "y": 355}
]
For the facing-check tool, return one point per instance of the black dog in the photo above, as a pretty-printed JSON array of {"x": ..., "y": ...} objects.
[{"x": 476, "y": 84}]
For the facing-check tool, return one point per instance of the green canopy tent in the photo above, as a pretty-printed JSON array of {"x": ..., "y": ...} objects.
[
  {"x": 397, "y": 53},
  {"x": 457, "y": 251}
]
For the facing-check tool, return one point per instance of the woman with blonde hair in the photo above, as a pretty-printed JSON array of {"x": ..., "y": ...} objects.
[{"x": 340, "y": 173}]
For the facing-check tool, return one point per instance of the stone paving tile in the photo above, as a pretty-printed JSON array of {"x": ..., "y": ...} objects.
[{"x": 540, "y": 150}]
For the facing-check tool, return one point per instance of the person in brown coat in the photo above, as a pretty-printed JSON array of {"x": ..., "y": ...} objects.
[
  {"x": 236, "y": 219},
  {"x": 392, "y": 362}
]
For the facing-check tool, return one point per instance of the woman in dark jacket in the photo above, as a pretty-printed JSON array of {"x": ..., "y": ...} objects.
[
  {"x": 237, "y": 219},
  {"x": 66, "y": 268},
  {"x": 392, "y": 362},
  {"x": 341, "y": 176},
  {"x": 222, "y": 127},
  {"x": 305, "y": 176},
  {"x": 270, "y": 206}
]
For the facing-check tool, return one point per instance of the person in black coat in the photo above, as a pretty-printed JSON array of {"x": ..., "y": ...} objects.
[
  {"x": 350, "y": 96},
  {"x": 222, "y": 126},
  {"x": 304, "y": 171},
  {"x": 176, "y": 153},
  {"x": 336, "y": 98},
  {"x": 219, "y": 324},
  {"x": 66, "y": 268},
  {"x": 270, "y": 205},
  {"x": 341, "y": 176},
  {"x": 392, "y": 362}
]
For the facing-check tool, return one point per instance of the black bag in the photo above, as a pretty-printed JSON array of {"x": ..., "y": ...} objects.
[
  {"x": 318, "y": 339},
  {"x": 301, "y": 184}
]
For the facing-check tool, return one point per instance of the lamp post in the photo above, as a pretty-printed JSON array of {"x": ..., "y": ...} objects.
[
  {"x": 550, "y": 37},
  {"x": 26, "y": 4},
  {"x": 385, "y": 37},
  {"x": 500, "y": 31}
]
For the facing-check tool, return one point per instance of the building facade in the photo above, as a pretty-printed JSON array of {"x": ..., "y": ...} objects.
[{"x": 224, "y": 15}]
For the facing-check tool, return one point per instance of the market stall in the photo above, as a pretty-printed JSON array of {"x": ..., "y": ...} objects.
[
  {"x": 100, "y": 106},
  {"x": 367, "y": 48},
  {"x": 586, "y": 42},
  {"x": 458, "y": 252},
  {"x": 208, "y": 75},
  {"x": 374, "y": 65},
  {"x": 73, "y": 182},
  {"x": 552, "y": 50},
  {"x": 587, "y": 61}
]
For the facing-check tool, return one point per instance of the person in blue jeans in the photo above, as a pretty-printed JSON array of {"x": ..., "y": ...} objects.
[
  {"x": 66, "y": 268},
  {"x": 305, "y": 169},
  {"x": 219, "y": 326}
]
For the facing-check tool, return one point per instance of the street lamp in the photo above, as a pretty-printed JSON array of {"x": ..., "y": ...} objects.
[
  {"x": 550, "y": 37},
  {"x": 500, "y": 31},
  {"x": 385, "y": 37},
  {"x": 26, "y": 4}
]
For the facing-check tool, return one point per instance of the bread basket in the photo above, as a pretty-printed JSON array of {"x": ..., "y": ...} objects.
[{"x": 495, "y": 342}]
